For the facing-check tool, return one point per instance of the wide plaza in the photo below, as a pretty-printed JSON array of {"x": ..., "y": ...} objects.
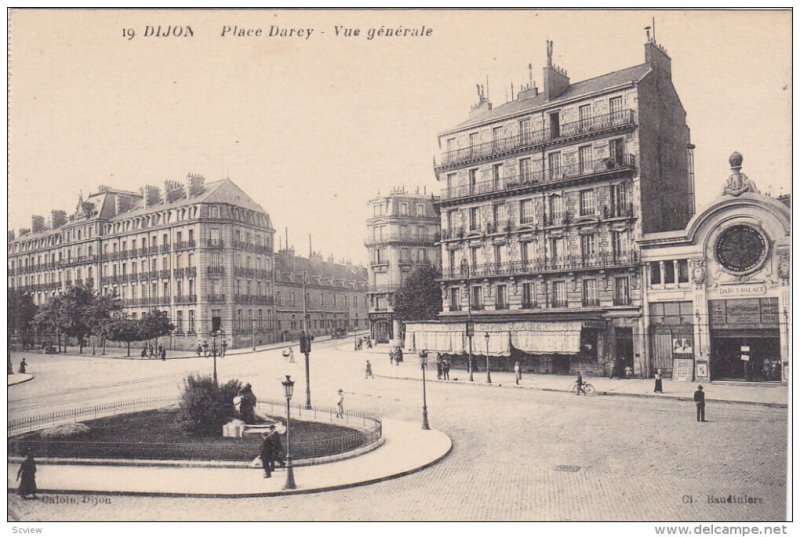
[{"x": 518, "y": 454}]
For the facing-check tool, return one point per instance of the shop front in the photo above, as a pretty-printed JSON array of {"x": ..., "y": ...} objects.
[{"x": 381, "y": 327}]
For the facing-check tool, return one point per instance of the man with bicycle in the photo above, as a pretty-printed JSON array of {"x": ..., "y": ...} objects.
[{"x": 579, "y": 384}]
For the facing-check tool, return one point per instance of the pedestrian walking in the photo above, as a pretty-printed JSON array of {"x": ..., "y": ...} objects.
[
  {"x": 628, "y": 372},
  {"x": 398, "y": 357},
  {"x": 277, "y": 449},
  {"x": 163, "y": 351},
  {"x": 23, "y": 366},
  {"x": 517, "y": 373},
  {"x": 143, "y": 354},
  {"x": 26, "y": 475},
  {"x": 152, "y": 352},
  {"x": 391, "y": 356},
  {"x": 224, "y": 347},
  {"x": 446, "y": 369},
  {"x": 659, "y": 388},
  {"x": 579, "y": 384},
  {"x": 700, "y": 400},
  {"x": 266, "y": 455},
  {"x": 368, "y": 371},
  {"x": 291, "y": 355},
  {"x": 205, "y": 348},
  {"x": 439, "y": 370},
  {"x": 199, "y": 350},
  {"x": 340, "y": 404}
]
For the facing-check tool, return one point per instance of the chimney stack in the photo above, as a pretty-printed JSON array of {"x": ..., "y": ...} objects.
[
  {"x": 10, "y": 235},
  {"x": 58, "y": 219},
  {"x": 37, "y": 223},
  {"x": 556, "y": 80},
  {"x": 23, "y": 231},
  {"x": 173, "y": 191},
  {"x": 152, "y": 195},
  {"x": 195, "y": 185}
]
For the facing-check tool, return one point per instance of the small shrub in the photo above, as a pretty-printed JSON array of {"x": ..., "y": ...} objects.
[
  {"x": 68, "y": 430},
  {"x": 205, "y": 407}
]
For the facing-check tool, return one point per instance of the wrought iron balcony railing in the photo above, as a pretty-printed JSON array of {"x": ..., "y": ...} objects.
[
  {"x": 215, "y": 299},
  {"x": 531, "y": 139},
  {"x": 540, "y": 177},
  {"x": 560, "y": 263}
]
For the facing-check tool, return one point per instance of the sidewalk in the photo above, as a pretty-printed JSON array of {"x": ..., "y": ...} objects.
[
  {"x": 18, "y": 378},
  {"x": 406, "y": 449},
  {"x": 775, "y": 395}
]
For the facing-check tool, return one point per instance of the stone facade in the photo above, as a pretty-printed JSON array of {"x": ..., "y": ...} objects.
[
  {"x": 336, "y": 295},
  {"x": 200, "y": 251},
  {"x": 401, "y": 234}
]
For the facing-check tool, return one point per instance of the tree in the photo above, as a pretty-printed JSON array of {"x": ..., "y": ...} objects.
[
  {"x": 21, "y": 312},
  {"x": 205, "y": 406},
  {"x": 49, "y": 319},
  {"x": 76, "y": 313},
  {"x": 155, "y": 324},
  {"x": 125, "y": 329},
  {"x": 101, "y": 313},
  {"x": 419, "y": 299}
]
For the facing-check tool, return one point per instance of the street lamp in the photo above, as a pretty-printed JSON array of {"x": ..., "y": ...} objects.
[
  {"x": 214, "y": 353},
  {"x": 488, "y": 374},
  {"x": 423, "y": 364},
  {"x": 288, "y": 388},
  {"x": 470, "y": 326}
]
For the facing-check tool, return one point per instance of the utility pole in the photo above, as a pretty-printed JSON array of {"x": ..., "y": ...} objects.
[
  {"x": 307, "y": 347},
  {"x": 253, "y": 330}
]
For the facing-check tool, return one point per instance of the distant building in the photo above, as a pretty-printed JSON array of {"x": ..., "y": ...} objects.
[
  {"x": 200, "y": 251},
  {"x": 336, "y": 295},
  {"x": 402, "y": 233},
  {"x": 544, "y": 199}
]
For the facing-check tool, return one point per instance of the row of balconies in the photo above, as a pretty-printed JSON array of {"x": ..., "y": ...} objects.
[
  {"x": 254, "y": 299},
  {"x": 526, "y": 141},
  {"x": 403, "y": 238},
  {"x": 564, "y": 219},
  {"x": 252, "y": 273},
  {"x": 512, "y": 184},
  {"x": 250, "y": 247},
  {"x": 530, "y": 305},
  {"x": 553, "y": 264}
]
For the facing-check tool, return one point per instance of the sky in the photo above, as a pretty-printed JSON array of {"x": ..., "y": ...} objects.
[{"x": 314, "y": 127}]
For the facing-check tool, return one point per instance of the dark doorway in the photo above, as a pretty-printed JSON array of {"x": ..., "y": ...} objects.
[
  {"x": 623, "y": 347},
  {"x": 764, "y": 353}
]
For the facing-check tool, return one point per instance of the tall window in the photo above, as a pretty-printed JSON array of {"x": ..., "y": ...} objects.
[
  {"x": 526, "y": 212},
  {"x": 524, "y": 129},
  {"x": 497, "y": 135},
  {"x": 528, "y": 300},
  {"x": 655, "y": 274},
  {"x": 616, "y": 150},
  {"x": 473, "y": 258},
  {"x": 588, "y": 250},
  {"x": 499, "y": 256},
  {"x": 500, "y": 215},
  {"x": 474, "y": 139},
  {"x": 455, "y": 299},
  {"x": 669, "y": 272},
  {"x": 473, "y": 180},
  {"x": 621, "y": 291},
  {"x": 559, "y": 294},
  {"x": 554, "y": 165},
  {"x": 556, "y": 209},
  {"x": 451, "y": 255},
  {"x": 501, "y": 300},
  {"x": 404, "y": 209},
  {"x": 619, "y": 199},
  {"x": 525, "y": 170},
  {"x": 615, "y": 105},
  {"x": 556, "y": 252},
  {"x": 590, "y": 292},
  {"x": 497, "y": 176},
  {"x": 683, "y": 271},
  {"x": 525, "y": 252},
  {"x": 451, "y": 179},
  {"x": 618, "y": 244},
  {"x": 585, "y": 159},
  {"x": 191, "y": 321},
  {"x": 420, "y": 209},
  {"x": 179, "y": 322},
  {"x": 587, "y": 202},
  {"x": 474, "y": 218},
  {"x": 451, "y": 220},
  {"x": 476, "y": 298},
  {"x": 585, "y": 116}
]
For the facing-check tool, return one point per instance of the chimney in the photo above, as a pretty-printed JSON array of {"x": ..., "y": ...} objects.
[
  {"x": 152, "y": 195},
  {"x": 657, "y": 58},
  {"x": 37, "y": 223},
  {"x": 23, "y": 231},
  {"x": 58, "y": 219},
  {"x": 556, "y": 80},
  {"x": 173, "y": 191},
  {"x": 483, "y": 104},
  {"x": 10, "y": 235},
  {"x": 195, "y": 185}
]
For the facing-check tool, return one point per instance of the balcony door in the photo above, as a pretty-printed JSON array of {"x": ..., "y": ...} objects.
[{"x": 616, "y": 150}]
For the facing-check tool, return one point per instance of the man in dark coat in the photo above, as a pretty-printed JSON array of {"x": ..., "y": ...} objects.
[
  {"x": 266, "y": 455},
  {"x": 277, "y": 448},
  {"x": 27, "y": 471},
  {"x": 700, "y": 400}
]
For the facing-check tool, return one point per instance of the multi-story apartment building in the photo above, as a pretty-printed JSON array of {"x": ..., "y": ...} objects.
[
  {"x": 336, "y": 295},
  {"x": 402, "y": 233},
  {"x": 200, "y": 252},
  {"x": 544, "y": 198}
]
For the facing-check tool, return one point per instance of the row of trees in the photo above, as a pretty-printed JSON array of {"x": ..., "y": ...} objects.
[{"x": 79, "y": 313}]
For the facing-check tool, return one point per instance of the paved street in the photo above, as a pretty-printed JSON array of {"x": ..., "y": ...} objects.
[{"x": 517, "y": 455}]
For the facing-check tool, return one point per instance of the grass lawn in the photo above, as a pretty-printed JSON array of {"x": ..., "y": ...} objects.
[{"x": 154, "y": 434}]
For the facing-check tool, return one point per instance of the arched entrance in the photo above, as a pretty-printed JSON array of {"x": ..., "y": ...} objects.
[{"x": 382, "y": 331}]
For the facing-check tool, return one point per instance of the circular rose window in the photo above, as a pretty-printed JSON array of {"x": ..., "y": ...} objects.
[{"x": 741, "y": 248}]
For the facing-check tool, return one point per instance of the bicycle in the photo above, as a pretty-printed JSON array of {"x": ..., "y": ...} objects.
[{"x": 588, "y": 389}]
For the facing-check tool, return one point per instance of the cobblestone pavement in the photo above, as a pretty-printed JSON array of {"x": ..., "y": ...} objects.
[{"x": 517, "y": 455}]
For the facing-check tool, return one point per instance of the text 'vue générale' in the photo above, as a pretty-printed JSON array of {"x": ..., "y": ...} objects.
[{"x": 337, "y": 31}]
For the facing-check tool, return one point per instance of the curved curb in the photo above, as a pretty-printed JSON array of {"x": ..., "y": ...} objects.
[
  {"x": 597, "y": 392},
  {"x": 441, "y": 452},
  {"x": 25, "y": 378}
]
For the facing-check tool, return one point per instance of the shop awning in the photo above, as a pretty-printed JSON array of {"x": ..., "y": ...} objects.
[{"x": 532, "y": 337}]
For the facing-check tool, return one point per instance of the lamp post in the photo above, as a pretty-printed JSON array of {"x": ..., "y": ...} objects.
[
  {"x": 288, "y": 388},
  {"x": 488, "y": 374},
  {"x": 307, "y": 347},
  {"x": 470, "y": 326},
  {"x": 423, "y": 364},
  {"x": 214, "y": 353}
]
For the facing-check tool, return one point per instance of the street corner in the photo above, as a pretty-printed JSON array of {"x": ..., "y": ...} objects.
[{"x": 13, "y": 380}]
